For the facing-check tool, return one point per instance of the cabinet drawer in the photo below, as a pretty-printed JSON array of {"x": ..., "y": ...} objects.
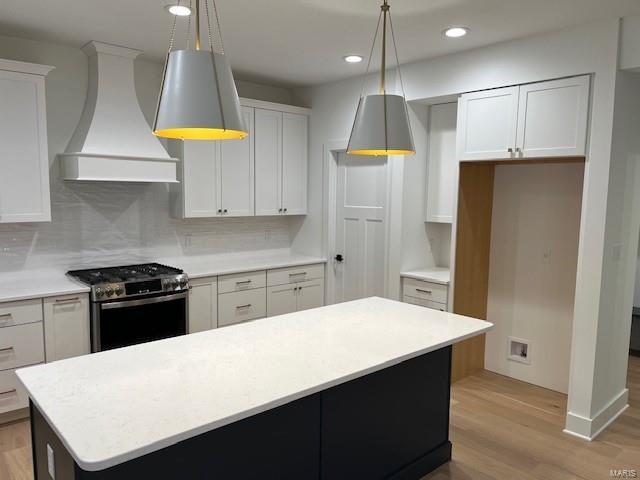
[
  {"x": 281, "y": 276},
  {"x": 425, "y": 303},
  {"x": 21, "y": 345},
  {"x": 425, "y": 290},
  {"x": 13, "y": 396},
  {"x": 241, "y": 281},
  {"x": 18, "y": 313},
  {"x": 238, "y": 307}
]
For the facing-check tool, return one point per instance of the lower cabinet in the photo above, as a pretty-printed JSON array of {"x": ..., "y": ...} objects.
[
  {"x": 242, "y": 306},
  {"x": 294, "y": 297},
  {"x": 203, "y": 304},
  {"x": 66, "y": 326},
  {"x": 425, "y": 294}
]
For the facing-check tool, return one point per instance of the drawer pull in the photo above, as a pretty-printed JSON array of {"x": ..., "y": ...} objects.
[
  {"x": 8, "y": 392},
  {"x": 429, "y": 292},
  {"x": 5, "y": 316},
  {"x": 244, "y": 282},
  {"x": 297, "y": 274},
  {"x": 243, "y": 306},
  {"x": 67, "y": 300},
  {"x": 6, "y": 350}
]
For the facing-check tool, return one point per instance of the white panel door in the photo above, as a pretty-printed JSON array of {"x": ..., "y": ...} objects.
[
  {"x": 66, "y": 327},
  {"x": 24, "y": 164},
  {"x": 360, "y": 227},
  {"x": 442, "y": 163},
  {"x": 553, "y": 117},
  {"x": 281, "y": 299},
  {"x": 203, "y": 304},
  {"x": 236, "y": 180},
  {"x": 294, "y": 164},
  {"x": 200, "y": 161},
  {"x": 268, "y": 148},
  {"x": 310, "y": 294},
  {"x": 487, "y": 124}
]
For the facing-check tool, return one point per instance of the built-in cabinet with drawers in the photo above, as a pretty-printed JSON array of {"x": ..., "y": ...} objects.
[
  {"x": 263, "y": 174},
  {"x": 24, "y": 179},
  {"x": 545, "y": 119},
  {"x": 241, "y": 297},
  {"x": 424, "y": 293},
  {"x": 38, "y": 330}
]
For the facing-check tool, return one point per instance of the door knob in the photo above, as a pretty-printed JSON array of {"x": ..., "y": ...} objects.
[{"x": 339, "y": 258}]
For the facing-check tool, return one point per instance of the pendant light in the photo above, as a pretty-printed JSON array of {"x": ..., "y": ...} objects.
[
  {"x": 198, "y": 97},
  {"x": 381, "y": 126}
]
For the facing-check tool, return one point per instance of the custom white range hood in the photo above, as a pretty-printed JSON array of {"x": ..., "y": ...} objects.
[{"x": 113, "y": 141}]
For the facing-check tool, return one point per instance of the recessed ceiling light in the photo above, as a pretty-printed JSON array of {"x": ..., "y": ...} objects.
[
  {"x": 456, "y": 32},
  {"x": 179, "y": 10},
  {"x": 353, "y": 59}
]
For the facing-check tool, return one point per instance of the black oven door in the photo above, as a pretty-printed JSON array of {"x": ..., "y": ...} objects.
[{"x": 121, "y": 323}]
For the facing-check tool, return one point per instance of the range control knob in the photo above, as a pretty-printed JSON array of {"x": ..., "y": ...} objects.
[
  {"x": 119, "y": 290},
  {"x": 183, "y": 283},
  {"x": 108, "y": 291},
  {"x": 99, "y": 292}
]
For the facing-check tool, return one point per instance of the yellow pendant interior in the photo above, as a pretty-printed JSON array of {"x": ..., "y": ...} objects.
[{"x": 201, "y": 134}]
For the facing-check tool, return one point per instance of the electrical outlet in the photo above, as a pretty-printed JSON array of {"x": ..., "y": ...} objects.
[{"x": 51, "y": 462}]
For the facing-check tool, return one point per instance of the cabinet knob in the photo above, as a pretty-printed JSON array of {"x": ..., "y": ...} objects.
[
  {"x": 219, "y": 210},
  {"x": 510, "y": 150},
  {"x": 285, "y": 210},
  {"x": 225, "y": 210},
  {"x": 279, "y": 210},
  {"x": 339, "y": 258}
]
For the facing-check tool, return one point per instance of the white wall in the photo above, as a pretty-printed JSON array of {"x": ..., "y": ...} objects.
[
  {"x": 532, "y": 275},
  {"x": 111, "y": 222},
  {"x": 573, "y": 51}
]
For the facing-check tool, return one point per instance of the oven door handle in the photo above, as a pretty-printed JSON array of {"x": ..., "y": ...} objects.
[{"x": 142, "y": 301}]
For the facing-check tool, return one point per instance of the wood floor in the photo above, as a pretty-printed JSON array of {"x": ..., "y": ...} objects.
[{"x": 500, "y": 429}]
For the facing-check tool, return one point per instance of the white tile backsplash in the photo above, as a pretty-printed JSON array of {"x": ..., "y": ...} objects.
[{"x": 110, "y": 223}]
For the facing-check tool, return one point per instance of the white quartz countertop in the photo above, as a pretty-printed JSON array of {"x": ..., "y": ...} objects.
[
  {"x": 27, "y": 284},
  {"x": 114, "y": 406},
  {"x": 434, "y": 274}
]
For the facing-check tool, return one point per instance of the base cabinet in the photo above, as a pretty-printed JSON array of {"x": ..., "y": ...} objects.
[
  {"x": 242, "y": 306},
  {"x": 290, "y": 298},
  {"x": 426, "y": 294},
  {"x": 66, "y": 326},
  {"x": 203, "y": 304}
]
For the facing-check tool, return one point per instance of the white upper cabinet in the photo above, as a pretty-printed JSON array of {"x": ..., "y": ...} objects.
[
  {"x": 442, "y": 163},
  {"x": 236, "y": 179},
  {"x": 263, "y": 174},
  {"x": 552, "y": 118},
  {"x": 546, "y": 119},
  {"x": 24, "y": 169},
  {"x": 294, "y": 164},
  {"x": 487, "y": 124},
  {"x": 268, "y": 141},
  {"x": 281, "y": 163}
]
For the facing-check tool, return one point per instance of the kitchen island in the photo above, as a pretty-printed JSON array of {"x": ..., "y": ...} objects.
[{"x": 354, "y": 390}]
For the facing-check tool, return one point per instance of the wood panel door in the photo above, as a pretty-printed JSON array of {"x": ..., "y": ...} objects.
[
  {"x": 487, "y": 124},
  {"x": 236, "y": 181},
  {"x": 361, "y": 229}
]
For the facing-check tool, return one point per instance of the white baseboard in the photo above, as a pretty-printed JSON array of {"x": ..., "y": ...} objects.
[{"x": 589, "y": 428}]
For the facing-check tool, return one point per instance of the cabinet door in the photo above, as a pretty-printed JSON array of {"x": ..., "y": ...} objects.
[
  {"x": 200, "y": 162},
  {"x": 487, "y": 124},
  {"x": 294, "y": 164},
  {"x": 203, "y": 304},
  {"x": 442, "y": 163},
  {"x": 66, "y": 326},
  {"x": 552, "y": 118},
  {"x": 236, "y": 180},
  {"x": 310, "y": 294},
  {"x": 281, "y": 299},
  {"x": 24, "y": 168},
  {"x": 268, "y": 147}
]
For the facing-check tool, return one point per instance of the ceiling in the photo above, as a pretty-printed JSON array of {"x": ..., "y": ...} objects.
[{"x": 302, "y": 42}]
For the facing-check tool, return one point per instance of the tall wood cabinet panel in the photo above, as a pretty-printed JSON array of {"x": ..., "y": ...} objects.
[
  {"x": 24, "y": 169},
  {"x": 442, "y": 163},
  {"x": 487, "y": 124},
  {"x": 268, "y": 141},
  {"x": 553, "y": 117},
  {"x": 294, "y": 163}
]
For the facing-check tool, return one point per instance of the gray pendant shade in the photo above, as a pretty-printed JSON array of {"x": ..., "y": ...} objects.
[
  {"x": 381, "y": 127},
  {"x": 198, "y": 99}
]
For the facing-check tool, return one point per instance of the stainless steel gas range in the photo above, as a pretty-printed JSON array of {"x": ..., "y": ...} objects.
[{"x": 135, "y": 304}]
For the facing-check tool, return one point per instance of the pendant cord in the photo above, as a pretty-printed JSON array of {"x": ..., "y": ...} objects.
[
  {"x": 197, "y": 24},
  {"x": 373, "y": 45},
  {"x": 173, "y": 31},
  {"x": 384, "y": 9},
  {"x": 189, "y": 25},
  {"x": 219, "y": 30},
  {"x": 395, "y": 49}
]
